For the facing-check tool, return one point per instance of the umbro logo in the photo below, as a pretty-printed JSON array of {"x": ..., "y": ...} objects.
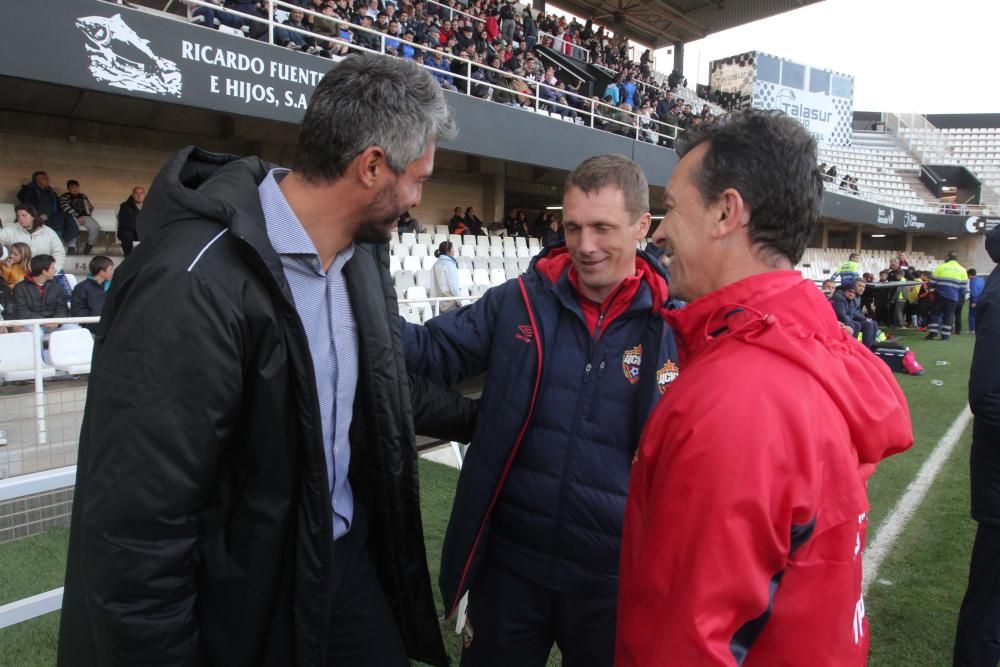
[{"x": 525, "y": 333}]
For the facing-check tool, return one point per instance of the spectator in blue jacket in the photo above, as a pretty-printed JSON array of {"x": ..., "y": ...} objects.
[
  {"x": 88, "y": 296},
  {"x": 439, "y": 70},
  {"x": 576, "y": 354},
  {"x": 846, "y": 306},
  {"x": 976, "y": 286}
]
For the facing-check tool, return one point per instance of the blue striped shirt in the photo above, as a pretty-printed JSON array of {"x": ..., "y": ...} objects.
[{"x": 324, "y": 307}]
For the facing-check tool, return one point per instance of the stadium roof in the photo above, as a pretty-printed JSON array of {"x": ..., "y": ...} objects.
[{"x": 658, "y": 23}]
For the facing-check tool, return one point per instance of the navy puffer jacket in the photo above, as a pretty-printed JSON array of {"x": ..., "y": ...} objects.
[{"x": 544, "y": 484}]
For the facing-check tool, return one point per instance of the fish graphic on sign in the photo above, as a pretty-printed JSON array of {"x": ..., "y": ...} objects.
[{"x": 122, "y": 59}]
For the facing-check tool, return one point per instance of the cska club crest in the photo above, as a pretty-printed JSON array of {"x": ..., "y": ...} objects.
[
  {"x": 631, "y": 360},
  {"x": 666, "y": 375}
]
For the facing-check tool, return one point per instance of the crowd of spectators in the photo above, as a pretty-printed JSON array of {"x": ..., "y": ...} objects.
[
  {"x": 546, "y": 226},
  {"x": 498, "y": 36},
  {"x": 35, "y": 244},
  {"x": 897, "y": 305}
]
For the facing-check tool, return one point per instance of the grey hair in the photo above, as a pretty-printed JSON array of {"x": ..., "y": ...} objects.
[
  {"x": 371, "y": 100},
  {"x": 616, "y": 171}
]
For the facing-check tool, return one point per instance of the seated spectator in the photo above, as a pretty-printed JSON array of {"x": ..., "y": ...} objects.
[
  {"x": 291, "y": 39},
  {"x": 440, "y": 70},
  {"x": 39, "y": 296},
  {"x": 845, "y": 306},
  {"x": 128, "y": 212},
  {"x": 76, "y": 205},
  {"x": 88, "y": 296},
  {"x": 457, "y": 223},
  {"x": 364, "y": 38},
  {"x": 516, "y": 225},
  {"x": 30, "y": 229},
  {"x": 553, "y": 232},
  {"x": 213, "y": 18},
  {"x": 407, "y": 224},
  {"x": 828, "y": 288},
  {"x": 40, "y": 196},
  {"x": 446, "y": 274},
  {"x": 15, "y": 266},
  {"x": 473, "y": 223}
]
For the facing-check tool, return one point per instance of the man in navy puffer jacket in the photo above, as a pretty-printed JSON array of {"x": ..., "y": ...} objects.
[{"x": 575, "y": 355}]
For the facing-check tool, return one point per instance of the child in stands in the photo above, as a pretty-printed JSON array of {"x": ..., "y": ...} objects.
[{"x": 14, "y": 268}]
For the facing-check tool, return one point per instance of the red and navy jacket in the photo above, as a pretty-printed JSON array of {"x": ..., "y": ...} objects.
[{"x": 566, "y": 393}]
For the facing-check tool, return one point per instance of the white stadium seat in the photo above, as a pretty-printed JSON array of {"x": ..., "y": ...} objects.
[
  {"x": 534, "y": 243},
  {"x": 412, "y": 264},
  {"x": 482, "y": 251},
  {"x": 441, "y": 230},
  {"x": 497, "y": 277},
  {"x": 523, "y": 263},
  {"x": 481, "y": 277},
  {"x": 400, "y": 251},
  {"x": 478, "y": 290},
  {"x": 496, "y": 241},
  {"x": 428, "y": 262},
  {"x": 410, "y": 313},
  {"x": 464, "y": 263},
  {"x": 6, "y": 213},
  {"x": 403, "y": 279},
  {"x": 495, "y": 263},
  {"x": 520, "y": 242},
  {"x": 425, "y": 279},
  {"x": 483, "y": 241},
  {"x": 468, "y": 251},
  {"x": 70, "y": 350},
  {"x": 496, "y": 251},
  {"x": 394, "y": 265},
  {"x": 425, "y": 239},
  {"x": 508, "y": 242},
  {"x": 481, "y": 263},
  {"x": 456, "y": 240},
  {"x": 439, "y": 239},
  {"x": 407, "y": 238},
  {"x": 17, "y": 357},
  {"x": 418, "y": 250},
  {"x": 510, "y": 253},
  {"x": 416, "y": 292},
  {"x": 522, "y": 251}
]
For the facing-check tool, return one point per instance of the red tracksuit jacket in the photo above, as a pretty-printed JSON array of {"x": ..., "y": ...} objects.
[{"x": 745, "y": 520}]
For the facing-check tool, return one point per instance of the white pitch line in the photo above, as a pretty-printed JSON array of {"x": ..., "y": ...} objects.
[{"x": 901, "y": 514}]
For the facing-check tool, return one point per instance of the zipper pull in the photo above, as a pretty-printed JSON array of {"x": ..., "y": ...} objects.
[
  {"x": 600, "y": 369},
  {"x": 586, "y": 371}
]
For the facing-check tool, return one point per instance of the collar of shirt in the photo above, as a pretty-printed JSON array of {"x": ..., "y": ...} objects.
[{"x": 287, "y": 235}]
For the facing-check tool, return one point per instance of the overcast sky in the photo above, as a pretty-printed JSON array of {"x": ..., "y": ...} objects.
[{"x": 905, "y": 55}]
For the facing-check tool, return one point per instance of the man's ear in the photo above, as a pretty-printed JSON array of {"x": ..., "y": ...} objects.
[
  {"x": 733, "y": 213},
  {"x": 368, "y": 166}
]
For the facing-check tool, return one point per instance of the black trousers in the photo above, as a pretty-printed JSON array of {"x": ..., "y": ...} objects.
[
  {"x": 363, "y": 632},
  {"x": 942, "y": 318},
  {"x": 515, "y": 621},
  {"x": 977, "y": 641},
  {"x": 959, "y": 305}
]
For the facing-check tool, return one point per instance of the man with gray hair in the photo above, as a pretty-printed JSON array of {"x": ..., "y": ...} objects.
[
  {"x": 247, "y": 483},
  {"x": 575, "y": 356}
]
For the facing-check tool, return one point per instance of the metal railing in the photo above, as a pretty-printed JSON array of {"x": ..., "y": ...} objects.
[
  {"x": 564, "y": 46},
  {"x": 522, "y": 91}
]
